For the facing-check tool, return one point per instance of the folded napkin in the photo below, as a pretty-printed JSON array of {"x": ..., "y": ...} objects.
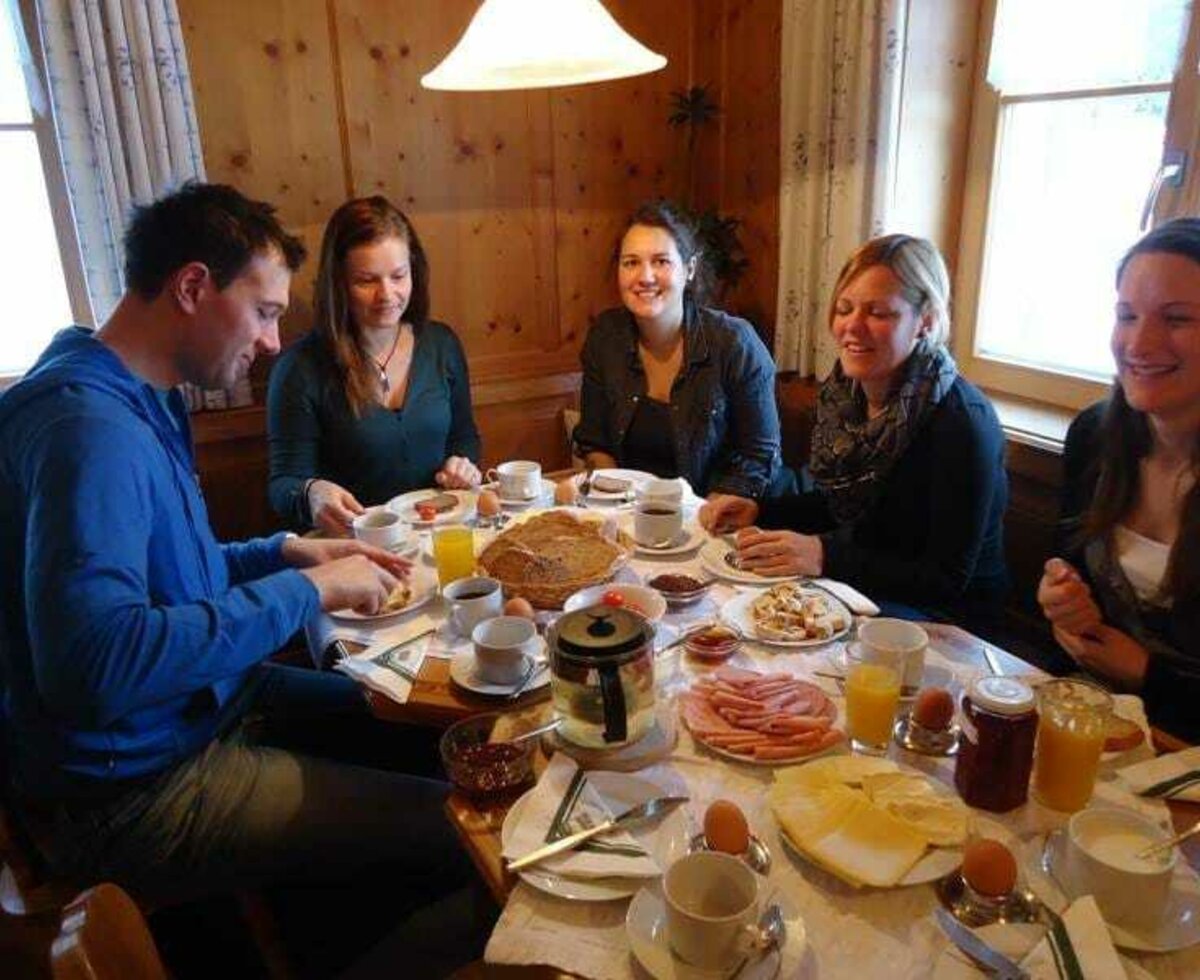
[
  {"x": 377, "y": 677},
  {"x": 1081, "y": 949},
  {"x": 1174, "y": 776},
  {"x": 563, "y": 802},
  {"x": 854, "y": 600}
]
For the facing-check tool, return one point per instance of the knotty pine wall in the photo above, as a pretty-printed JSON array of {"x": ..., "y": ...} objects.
[{"x": 518, "y": 197}]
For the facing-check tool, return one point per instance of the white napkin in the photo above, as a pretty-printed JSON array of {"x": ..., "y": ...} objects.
[
  {"x": 1144, "y": 775},
  {"x": 381, "y": 679},
  {"x": 1089, "y": 938},
  {"x": 855, "y": 601},
  {"x": 616, "y": 854}
]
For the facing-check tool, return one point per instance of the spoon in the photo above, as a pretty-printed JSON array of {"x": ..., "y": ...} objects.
[
  {"x": 540, "y": 730},
  {"x": 772, "y": 933},
  {"x": 1170, "y": 842}
]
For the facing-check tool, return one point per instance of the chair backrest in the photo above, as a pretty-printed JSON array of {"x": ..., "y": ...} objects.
[{"x": 104, "y": 936}]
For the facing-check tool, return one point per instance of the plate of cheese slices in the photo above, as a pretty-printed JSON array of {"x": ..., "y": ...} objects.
[{"x": 869, "y": 821}]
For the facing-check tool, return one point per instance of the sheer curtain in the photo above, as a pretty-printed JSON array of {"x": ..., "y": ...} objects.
[
  {"x": 127, "y": 132},
  {"x": 842, "y": 63}
]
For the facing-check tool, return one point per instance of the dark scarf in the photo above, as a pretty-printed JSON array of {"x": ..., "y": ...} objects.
[{"x": 851, "y": 454}]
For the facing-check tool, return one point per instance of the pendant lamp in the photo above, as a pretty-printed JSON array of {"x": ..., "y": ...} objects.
[{"x": 515, "y": 44}]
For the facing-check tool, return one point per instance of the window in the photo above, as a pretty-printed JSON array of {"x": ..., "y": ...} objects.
[
  {"x": 1068, "y": 131},
  {"x": 33, "y": 273}
]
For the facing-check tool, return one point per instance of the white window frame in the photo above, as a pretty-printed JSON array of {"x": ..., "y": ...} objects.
[{"x": 1057, "y": 387}]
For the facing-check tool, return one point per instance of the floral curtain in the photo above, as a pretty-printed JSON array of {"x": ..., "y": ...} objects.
[
  {"x": 842, "y": 63},
  {"x": 122, "y": 101}
]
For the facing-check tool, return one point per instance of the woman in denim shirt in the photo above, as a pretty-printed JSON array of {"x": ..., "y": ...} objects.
[{"x": 672, "y": 387}]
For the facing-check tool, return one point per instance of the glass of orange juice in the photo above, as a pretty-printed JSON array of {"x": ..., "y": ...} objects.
[
  {"x": 453, "y": 553},
  {"x": 1072, "y": 718},
  {"x": 872, "y": 695}
]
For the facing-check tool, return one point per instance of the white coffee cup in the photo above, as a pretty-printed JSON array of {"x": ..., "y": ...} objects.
[
  {"x": 501, "y": 646},
  {"x": 472, "y": 600},
  {"x": 519, "y": 479},
  {"x": 888, "y": 637},
  {"x": 657, "y": 523},
  {"x": 1100, "y": 855},
  {"x": 712, "y": 906},
  {"x": 664, "y": 491},
  {"x": 381, "y": 528}
]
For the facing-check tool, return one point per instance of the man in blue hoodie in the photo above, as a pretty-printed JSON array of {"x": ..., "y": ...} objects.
[{"x": 132, "y": 643}]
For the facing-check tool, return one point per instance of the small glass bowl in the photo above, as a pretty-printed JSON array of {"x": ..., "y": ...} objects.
[
  {"x": 678, "y": 599},
  {"x": 713, "y": 641},
  {"x": 483, "y": 768}
]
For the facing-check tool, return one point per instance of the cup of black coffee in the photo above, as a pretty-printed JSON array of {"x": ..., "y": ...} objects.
[
  {"x": 657, "y": 523},
  {"x": 473, "y": 600}
]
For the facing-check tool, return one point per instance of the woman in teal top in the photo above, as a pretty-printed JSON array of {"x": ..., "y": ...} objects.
[{"x": 376, "y": 399}]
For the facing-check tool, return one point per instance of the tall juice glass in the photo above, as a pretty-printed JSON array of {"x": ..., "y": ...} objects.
[
  {"x": 872, "y": 695},
  {"x": 1072, "y": 718},
  {"x": 453, "y": 553}
]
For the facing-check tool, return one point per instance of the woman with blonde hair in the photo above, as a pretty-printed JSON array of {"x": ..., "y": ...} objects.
[
  {"x": 376, "y": 400},
  {"x": 905, "y": 490},
  {"x": 1123, "y": 598}
]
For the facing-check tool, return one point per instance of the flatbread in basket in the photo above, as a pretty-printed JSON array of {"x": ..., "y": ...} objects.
[{"x": 553, "y": 554}]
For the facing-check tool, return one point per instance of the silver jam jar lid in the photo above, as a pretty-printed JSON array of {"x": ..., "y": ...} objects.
[{"x": 1001, "y": 695}]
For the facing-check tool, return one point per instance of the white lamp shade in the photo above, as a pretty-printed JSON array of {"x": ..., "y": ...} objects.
[{"x": 515, "y": 44}]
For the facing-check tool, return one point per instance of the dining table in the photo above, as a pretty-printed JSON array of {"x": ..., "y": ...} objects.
[{"x": 850, "y": 932}]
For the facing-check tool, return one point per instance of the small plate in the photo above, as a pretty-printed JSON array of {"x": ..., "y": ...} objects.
[
  {"x": 646, "y": 927},
  {"x": 424, "y": 588},
  {"x": 462, "y": 672},
  {"x": 635, "y": 477},
  {"x": 666, "y": 840},
  {"x": 544, "y": 497},
  {"x": 405, "y": 503},
  {"x": 737, "y": 612},
  {"x": 713, "y": 558},
  {"x": 1180, "y": 927}
]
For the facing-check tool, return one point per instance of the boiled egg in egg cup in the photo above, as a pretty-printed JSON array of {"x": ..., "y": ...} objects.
[
  {"x": 986, "y": 888},
  {"x": 726, "y": 829},
  {"x": 929, "y": 727}
]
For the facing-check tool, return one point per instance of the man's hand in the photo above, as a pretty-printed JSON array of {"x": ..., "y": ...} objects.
[
  {"x": 310, "y": 552},
  {"x": 1066, "y": 599},
  {"x": 354, "y": 582},
  {"x": 1109, "y": 652},
  {"x": 332, "y": 507},
  {"x": 724, "y": 512},
  {"x": 458, "y": 473},
  {"x": 779, "y": 552}
]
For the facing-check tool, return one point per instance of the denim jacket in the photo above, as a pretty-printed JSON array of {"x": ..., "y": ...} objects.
[{"x": 726, "y": 424}]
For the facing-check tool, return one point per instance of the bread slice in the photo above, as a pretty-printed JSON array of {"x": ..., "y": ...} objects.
[{"x": 1122, "y": 734}]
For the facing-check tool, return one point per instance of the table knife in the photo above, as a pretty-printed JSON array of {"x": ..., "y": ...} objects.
[
  {"x": 1000, "y": 965},
  {"x": 644, "y": 811}
]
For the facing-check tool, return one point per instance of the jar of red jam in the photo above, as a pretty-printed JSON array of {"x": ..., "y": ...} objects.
[{"x": 995, "y": 754}]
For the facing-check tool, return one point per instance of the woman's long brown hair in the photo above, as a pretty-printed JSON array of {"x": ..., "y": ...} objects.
[
  {"x": 362, "y": 221},
  {"x": 1124, "y": 439}
]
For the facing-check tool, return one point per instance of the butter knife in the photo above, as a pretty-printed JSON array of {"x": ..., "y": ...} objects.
[
  {"x": 999, "y": 965},
  {"x": 644, "y": 811}
]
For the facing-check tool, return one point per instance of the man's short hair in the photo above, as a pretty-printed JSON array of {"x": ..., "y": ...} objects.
[{"x": 210, "y": 223}]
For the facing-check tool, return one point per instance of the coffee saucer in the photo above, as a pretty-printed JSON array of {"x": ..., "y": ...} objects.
[
  {"x": 688, "y": 539},
  {"x": 1180, "y": 924},
  {"x": 646, "y": 928},
  {"x": 462, "y": 672}
]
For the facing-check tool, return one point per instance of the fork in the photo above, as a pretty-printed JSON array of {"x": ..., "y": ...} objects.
[{"x": 585, "y": 485}]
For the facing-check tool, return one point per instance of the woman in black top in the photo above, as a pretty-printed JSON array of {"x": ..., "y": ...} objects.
[
  {"x": 376, "y": 399},
  {"x": 1124, "y": 603},
  {"x": 672, "y": 387},
  {"x": 908, "y": 487}
]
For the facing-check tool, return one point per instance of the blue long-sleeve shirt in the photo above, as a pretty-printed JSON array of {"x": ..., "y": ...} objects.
[{"x": 126, "y": 625}]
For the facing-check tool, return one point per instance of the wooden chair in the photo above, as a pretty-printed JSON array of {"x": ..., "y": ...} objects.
[{"x": 104, "y": 936}]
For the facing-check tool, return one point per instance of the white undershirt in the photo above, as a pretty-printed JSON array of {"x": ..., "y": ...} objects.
[{"x": 1144, "y": 562}]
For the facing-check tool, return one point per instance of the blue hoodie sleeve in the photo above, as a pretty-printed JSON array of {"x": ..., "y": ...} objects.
[
  {"x": 248, "y": 560},
  {"x": 105, "y": 639}
]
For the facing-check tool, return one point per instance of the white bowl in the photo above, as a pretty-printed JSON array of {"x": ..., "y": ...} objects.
[{"x": 647, "y": 600}]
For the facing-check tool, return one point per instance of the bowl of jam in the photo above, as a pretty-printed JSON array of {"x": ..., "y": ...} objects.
[
  {"x": 712, "y": 641},
  {"x": 482, "y": 765},
  {"x": 679, "y": 589}
]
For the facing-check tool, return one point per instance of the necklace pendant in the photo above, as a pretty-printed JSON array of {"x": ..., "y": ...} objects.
[{"x": 383, "y": 380}]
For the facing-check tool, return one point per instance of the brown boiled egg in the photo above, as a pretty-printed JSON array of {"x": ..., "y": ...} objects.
[
  {"x": 725, "y": 827},
  {"x": 516, "y": 606},
  {"x": 989, "y": 867},
  {"x": 933, "y": 709},
  {"x": 566, "y": 492},
  {"x": 487, "y": 504}
]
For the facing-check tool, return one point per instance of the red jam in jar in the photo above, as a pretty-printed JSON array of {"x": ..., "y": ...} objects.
[{"x": 995, "y": 753}]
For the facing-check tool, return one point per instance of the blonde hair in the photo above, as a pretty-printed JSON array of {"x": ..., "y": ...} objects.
[{"x": 921, "y": 270}]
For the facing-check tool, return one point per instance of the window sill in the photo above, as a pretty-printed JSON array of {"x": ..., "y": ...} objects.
[{"x": 1032, "y": 423}]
